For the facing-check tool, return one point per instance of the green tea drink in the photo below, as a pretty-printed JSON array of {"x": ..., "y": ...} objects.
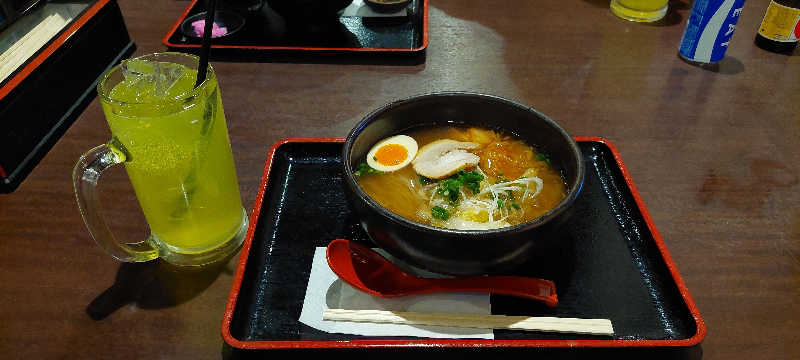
[{"x": 178, "y": 156}]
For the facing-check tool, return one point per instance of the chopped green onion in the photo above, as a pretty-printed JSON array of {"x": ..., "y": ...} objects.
[
  {"x": 543, "y": 157},
  {"x": 364, "y": 169},
  {"x": 439, "y": 212},
  {"x": 449, "y": 188}
]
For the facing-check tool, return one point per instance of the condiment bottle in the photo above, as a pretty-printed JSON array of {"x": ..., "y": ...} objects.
[{"x": 780, "y": 28}]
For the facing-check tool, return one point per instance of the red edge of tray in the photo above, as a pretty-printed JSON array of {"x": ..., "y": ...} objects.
[
  {"x": 174, "y": 28},
  {"x": 332, "y": 344},
  {"x": 44, "y": 53}
]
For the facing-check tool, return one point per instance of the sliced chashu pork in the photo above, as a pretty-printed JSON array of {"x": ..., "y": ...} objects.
[{"x": 444, "y": 157}]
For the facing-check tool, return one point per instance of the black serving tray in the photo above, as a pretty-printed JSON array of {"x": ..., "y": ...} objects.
[
  {"x": 266, "y": 33},
  {"x": 46, "y": 94},
  {"x": 611, "y": 263}
]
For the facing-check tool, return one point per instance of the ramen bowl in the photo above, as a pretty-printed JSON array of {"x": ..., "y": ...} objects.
[
  {"x": 461, "y": 252},
  {"x": 387, "y": 6}
]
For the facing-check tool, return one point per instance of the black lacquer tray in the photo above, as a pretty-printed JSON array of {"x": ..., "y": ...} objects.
[
  {"x": 61, "y": 72},
  {"x": 610, "y": 263},
  {"x": 265, "y": 32}
]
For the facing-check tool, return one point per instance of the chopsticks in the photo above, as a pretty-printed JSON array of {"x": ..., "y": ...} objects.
[
  {"x": 545, "y": 324},
  {"x": 18, "y": 53}
]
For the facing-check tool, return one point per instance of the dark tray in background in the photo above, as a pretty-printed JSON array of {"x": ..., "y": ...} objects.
[
  {"x": 264, "y": 31},
  {"x": 46, "y": 94},
  {"x": 611, "y": 263}
]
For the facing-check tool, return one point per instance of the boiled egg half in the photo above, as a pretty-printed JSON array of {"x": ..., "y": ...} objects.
[{"x": 392, "y": 153}]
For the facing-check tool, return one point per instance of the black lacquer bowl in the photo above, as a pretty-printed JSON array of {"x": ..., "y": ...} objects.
[
  {"x": 387, "y": 6},
  {"x": 461, "y": 252}
]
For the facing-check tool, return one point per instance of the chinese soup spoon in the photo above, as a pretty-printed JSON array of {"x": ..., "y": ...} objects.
[{"x": 368, "y": 271}]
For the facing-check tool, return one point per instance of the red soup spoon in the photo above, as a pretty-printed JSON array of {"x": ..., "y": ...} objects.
[{"x": 368, "y": 271}]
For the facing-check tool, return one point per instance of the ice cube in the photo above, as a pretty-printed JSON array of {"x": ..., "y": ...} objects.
[
  {"x": 167, "y": 75},
  {"x": 151, "y": 78},
  {"x": 139, "y": 77}
]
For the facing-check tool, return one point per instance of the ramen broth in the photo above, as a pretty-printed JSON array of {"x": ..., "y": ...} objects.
[{"x": 516, "y": 184}]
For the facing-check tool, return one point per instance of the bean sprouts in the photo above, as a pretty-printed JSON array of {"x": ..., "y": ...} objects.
[{"x": 490, "y": 198}]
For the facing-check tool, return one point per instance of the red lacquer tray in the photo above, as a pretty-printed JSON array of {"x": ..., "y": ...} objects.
[{"x": 613, "y": 264}]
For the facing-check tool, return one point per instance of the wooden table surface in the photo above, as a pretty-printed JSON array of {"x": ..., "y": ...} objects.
[{"x": 713, "y": 154}]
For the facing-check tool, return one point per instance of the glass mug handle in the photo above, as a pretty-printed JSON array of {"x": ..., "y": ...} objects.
[{"x": 84, "y": 178}]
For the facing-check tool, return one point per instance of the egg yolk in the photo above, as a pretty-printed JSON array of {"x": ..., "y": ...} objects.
[{"x": 391, "y": 154}]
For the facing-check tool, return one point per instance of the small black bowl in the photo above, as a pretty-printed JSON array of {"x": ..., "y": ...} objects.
[
  {"x": 461, "y": 252},
  {"x": 387, "y": 6},
  {"x": 231, "y": 21}
]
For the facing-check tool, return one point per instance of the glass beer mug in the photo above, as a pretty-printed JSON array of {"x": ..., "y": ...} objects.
[{"x": 173, "y": 140}]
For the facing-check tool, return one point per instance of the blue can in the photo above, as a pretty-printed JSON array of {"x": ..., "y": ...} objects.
[{"x": 709, "y": 30}]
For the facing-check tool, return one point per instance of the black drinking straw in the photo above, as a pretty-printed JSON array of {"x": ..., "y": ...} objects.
[{"x": 202, "y": 68}]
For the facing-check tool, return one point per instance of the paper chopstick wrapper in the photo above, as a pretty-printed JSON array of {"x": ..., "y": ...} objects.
[
  {"x": 30, "y": 43},
  {"x": 326, "y": 291},
  {"x": 546, "y": 324},
  {"x": 333, "y": 306}
]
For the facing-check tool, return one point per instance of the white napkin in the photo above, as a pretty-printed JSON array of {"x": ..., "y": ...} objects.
[
  {"x": 360, "y": 9},
  {"x": 326, "y": 291}
]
